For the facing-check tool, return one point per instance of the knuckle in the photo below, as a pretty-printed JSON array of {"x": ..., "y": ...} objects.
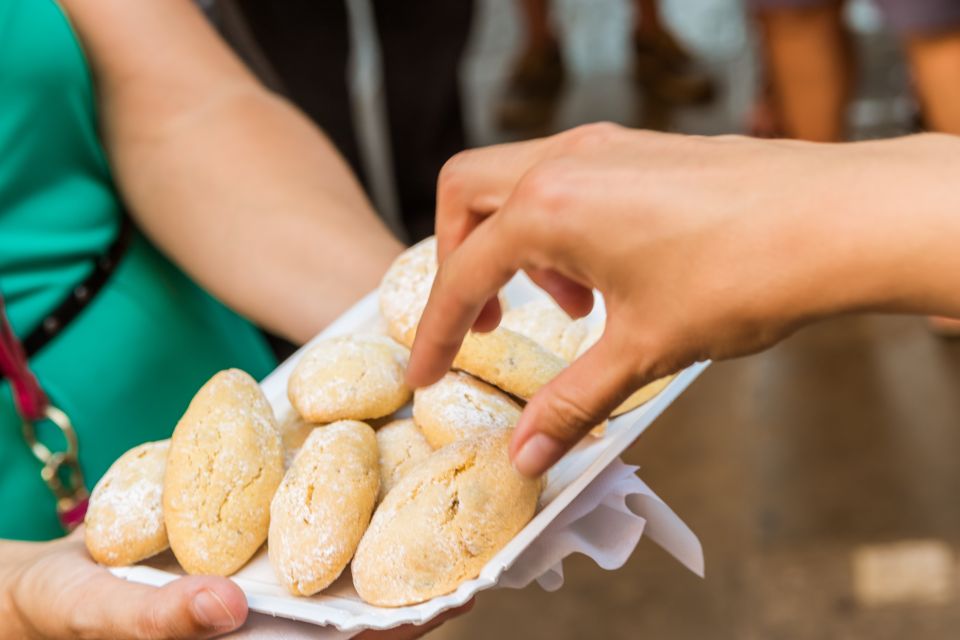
[
  {"x": 548, "y": 187},
  {"x": 450, "y": 179},
  {"x": 591, "y": 136}
]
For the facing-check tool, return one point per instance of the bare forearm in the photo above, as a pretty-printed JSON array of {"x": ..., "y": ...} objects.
[
  {"x": 255, "y": 204},
  {"x": 235, "y": 185},
  {"x": 890, "y": 219}
]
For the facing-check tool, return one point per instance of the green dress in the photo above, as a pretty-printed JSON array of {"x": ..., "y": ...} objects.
[{"x": 125, "y": 369}]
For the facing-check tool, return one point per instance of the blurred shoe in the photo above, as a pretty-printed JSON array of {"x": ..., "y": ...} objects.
[
  {"x": 944, "y": 327},
  {"x": 532, "y": 93},
  {"x": 667, "y": 72}
]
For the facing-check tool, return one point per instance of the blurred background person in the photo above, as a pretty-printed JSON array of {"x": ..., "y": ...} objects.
[
  {"x": 307, "y": 45},
  {"x": 809, "y": 60},
  {"x": 663, "y": 68},
  {"x": 810, "y": 70}
]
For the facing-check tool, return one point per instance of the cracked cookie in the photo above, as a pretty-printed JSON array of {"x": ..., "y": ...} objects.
[
  {"x": 508, "y": 360},
  {"x": 323, "y": 506},
  {"x": 441, "y": 524},
  {"x": 405, "y": 288},
  {"x": 459, "y": 406},
  {"x": 402, "y": 448},
  {"x": 548, "y": 325},
  {"x": 357, "y": 377},
  {"x": 225, "y": 462},
  {"x": 124, "y": 522}
]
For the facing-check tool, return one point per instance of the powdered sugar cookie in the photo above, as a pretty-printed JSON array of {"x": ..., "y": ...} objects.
[
  {"x": 442, "y": 523},
  {"x": 293, "y": 433},
  {"x": 548, "y": 325},
  {"x": 124, "y": 522},
  {"x": 323, "y": 506},
  {"x": 402, "y": 448},
  {"x": 356, "y": 377},
  {"x": 406, "y": 287},
  {"x": 508, "y": 360},
  {"x": 225, "y": 462},
  {"x": 460, "y": 406}
]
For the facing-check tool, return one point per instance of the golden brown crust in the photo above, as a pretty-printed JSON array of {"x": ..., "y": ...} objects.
[
  {"x": 443, "y": 522},
  {"x": 323, "y": 506},
  {"x": 548, "y": 325},
  {"x": 459, "y": 406},
  {"x": 124, "y": 522},
  {"x": 403, "y": 448},
  {"x": 357, "y": 377},
  {"x": 642, "y": 395},
  {"x": 225, "y": 462},
  {"x": 508, "y": 360}
]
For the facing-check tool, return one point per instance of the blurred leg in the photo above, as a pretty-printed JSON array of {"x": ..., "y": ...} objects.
[
  {"x": 808, "y": 56},
  {"x": 536, "y": 80},
  {"x": 936, "y": 71},
  {"x": 422, "y": 43},
  {"x": 646, "y": 16},
  {"x": 536, "y": 19},
  {"x": 931, "y": 32},
  {"x": 663, "y": 67}
]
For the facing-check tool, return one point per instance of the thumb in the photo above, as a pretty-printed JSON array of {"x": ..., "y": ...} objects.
[
  {"x": 567, "y": 408},
  {"x": 189, "y": 607}
]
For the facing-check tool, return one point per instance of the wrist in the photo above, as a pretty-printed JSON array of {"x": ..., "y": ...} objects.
[
  {"x": 879, "y": 224},
  {"x": 908, "y": 224}
]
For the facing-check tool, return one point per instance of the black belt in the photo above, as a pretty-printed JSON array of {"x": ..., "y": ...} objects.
[{"x": 82, "y": 294}]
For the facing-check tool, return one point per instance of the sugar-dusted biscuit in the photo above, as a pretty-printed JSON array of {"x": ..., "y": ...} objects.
[
  {"x": 442, "y": 523},
  {"x": 124, "y": 522},
  {"x": 508, "y": 360},
  {"x": 225, "y": 462},
  {"x": 459, "y": 406},
  {"x": 402, "y": 448},
  {"x": 640, "y": 396},
  {"x": 323, "y": 506},
  {"x": 293, "y": 433},
  {"x": 405, "y": 288},
  {"x": 356, "y": 377},
  {"x": 548, "y": 325}
]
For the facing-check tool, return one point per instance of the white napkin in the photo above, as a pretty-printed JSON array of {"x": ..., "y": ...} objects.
[{"x": 605, "y": 522}]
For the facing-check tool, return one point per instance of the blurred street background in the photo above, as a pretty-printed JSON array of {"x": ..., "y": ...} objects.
[{"x": 821, "y": 476}]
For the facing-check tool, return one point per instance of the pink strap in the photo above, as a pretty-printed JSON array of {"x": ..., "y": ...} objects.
[{"x": 30, "y": 399}]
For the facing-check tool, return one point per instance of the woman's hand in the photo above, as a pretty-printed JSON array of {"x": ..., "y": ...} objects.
[
  {"x": 54, "y": 590},
  {"x": 702, "y": 248}
]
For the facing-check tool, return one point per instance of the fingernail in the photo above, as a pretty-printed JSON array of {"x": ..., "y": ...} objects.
[
  {"x": 212, "y": 611},
  {"x": 537, "y": 455}
]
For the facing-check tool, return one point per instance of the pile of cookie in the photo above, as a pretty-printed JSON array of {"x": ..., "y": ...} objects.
[{"x": 414, "y": 506}]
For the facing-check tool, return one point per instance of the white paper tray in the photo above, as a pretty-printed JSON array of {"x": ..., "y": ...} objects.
[{"x": 339, "y": 605}]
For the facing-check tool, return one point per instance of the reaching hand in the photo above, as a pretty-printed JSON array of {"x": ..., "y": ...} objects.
[{"x": 702, "y": 248}]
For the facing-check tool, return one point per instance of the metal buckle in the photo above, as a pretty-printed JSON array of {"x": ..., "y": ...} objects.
[{"x": 71, "y": 493}]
